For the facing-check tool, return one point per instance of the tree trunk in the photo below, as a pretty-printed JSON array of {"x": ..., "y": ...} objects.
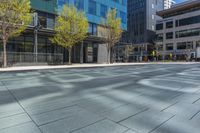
[
  {"x": 4, "y": 54},
  {"x": 70, "y": 55}
]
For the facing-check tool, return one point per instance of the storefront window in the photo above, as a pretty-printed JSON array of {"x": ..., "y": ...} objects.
[
  {"x": 169, "y": 46},
  {"x": 184, "y": 45},
  {"x": 41, "y": 45},
  {"x": 29, "y": 44}
]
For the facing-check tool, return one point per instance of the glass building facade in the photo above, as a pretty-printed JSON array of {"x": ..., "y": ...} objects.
[
  {"x": 141, "y": 27},
  {"x": 23, "y": 47}
]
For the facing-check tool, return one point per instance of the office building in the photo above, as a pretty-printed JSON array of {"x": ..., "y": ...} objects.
[
  {"x": 178, "y": 33},
  {"x": 168, "y": 4},
  {"x": 22, "y": 49},
  {"x": 141, "y": 27}
]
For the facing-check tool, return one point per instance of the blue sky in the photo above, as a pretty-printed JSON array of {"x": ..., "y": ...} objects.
[{"x": 178, "y": 1}]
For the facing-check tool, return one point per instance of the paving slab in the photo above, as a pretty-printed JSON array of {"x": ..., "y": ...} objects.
[
  {"x": 178, "y": 125},
  {"x": 147, "y": 121},
  {"x": 130, "y": 131},
  {"x": 66, "y": 125},
  {"x": 46, "y": 106},
  {"x": 183, "y": 110},
  {"x": 55, "y": 115},
  {"x": 10, "y": 109},
  {"x": 2, "y": 87},
  {"x": 124, "y": 112},
  {"x": 153, "y": 103},
  {"x": 14, "y": 120},
  {"x": 104, "y": 126},
  {"x": 100, "y": 104},
  {"x": 28, "y": 127},
  {"x": 188, "y": 98},
  {"x": 6, "y": 97},
  {"x": 27, "y": 96},
  {"x": 26, "y": 83}
]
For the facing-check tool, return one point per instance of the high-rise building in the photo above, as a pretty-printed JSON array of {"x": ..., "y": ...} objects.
[
  {"x": 35, "y": 40},
  {"x": 178, "y": 33},
  {"x": 141, "y": 26},
  {"x": 168, "y": 3}
]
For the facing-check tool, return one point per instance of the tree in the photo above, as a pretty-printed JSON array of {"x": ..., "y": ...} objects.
[
  {"x": 15, "y": 16},
  {"x": 113, "y": 32},
  {"x": 71, "y": 28}
]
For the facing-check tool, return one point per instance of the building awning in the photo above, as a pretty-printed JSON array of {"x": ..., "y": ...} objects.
[{"x": 50, "y": 33}]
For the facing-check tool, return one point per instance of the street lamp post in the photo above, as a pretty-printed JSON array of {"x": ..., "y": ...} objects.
[{"x": 37, "y": 26}]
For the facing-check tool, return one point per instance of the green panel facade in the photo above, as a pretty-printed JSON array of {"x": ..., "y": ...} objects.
[{"x": 49, "y": 6}]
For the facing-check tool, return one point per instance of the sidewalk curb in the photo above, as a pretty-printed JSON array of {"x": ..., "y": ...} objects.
[{"x": 85, "y": 66}]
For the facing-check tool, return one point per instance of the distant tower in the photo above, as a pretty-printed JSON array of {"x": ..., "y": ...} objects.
[{"x": 168, "y": 3}]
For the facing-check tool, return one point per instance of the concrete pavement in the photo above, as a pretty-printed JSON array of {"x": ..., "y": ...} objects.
[
  {"x": 87, "y": 65},
  {"x": 158, "y": 98}
]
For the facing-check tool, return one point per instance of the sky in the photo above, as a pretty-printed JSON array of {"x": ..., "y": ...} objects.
[{"x": 178, "y": 1}]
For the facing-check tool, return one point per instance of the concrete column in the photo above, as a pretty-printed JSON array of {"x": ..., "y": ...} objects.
[
  {"x": 81, "y": 53},
  {"x": 146, "y": 47},
  {"x": 35, "y": 45},
  {"x": 164, "y": 50},
  {"x": 194, "y": 45},
  {"x": 102, "y": 53}
]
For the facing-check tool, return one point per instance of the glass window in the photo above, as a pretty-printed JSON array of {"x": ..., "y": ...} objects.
[
  {"x": 123, "y": 17},
  {"x": 92, "y": 29},
  {"x": 159, "y": 26},
  {"x": 104, "y": 10},
  {"x": 169, "y": 24},
  {"x": 181, "y": 45},
  {"x": 79, "y": 4},
  {"x": 62, "y": 2},
  {"x": 124, "y": 2},
  {"x": 160, "y": 47},
  {"x": 169, "y": 46},
  {"x": 116, "y": 1},
  {"x": 169, "y": 35},
  {"x": 41, "y": 45},
  {"x": 159, "y": 37},
  {"x": 92, "y": 9},
  {"x": 189, "y": 45},
  {"x": 198, "y": 44},
  {"x": 29, "y": 44},
  {"x": 50, "y": 21},
  {"x": 42, "y": 18},
  {"x": 188, "y": 33},
  {"x": 188, "y": 21}
]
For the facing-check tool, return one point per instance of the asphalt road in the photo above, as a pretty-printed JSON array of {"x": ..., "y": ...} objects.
[{"x": 129, "y": 99}]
